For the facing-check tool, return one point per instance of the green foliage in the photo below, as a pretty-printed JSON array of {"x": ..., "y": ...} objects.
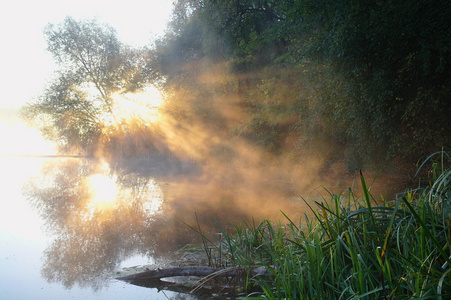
[
  {"x": 368, "y": 81},
  {"x": 357, "y": 81},
  {"x": 393, "y": 56},
  {"x": 75, "y": 110},
  {"x": 352, "y": 248},
  {"x": 64, "y": 115}
]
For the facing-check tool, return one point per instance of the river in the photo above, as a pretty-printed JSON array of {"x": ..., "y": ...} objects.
[
  {"x": 33, "y": 263},
  {"x": 70, "y": 226}
]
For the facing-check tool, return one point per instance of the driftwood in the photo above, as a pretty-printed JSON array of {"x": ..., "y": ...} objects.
[
  {"x": 152, "y": 279},
  {"x": 199, "y": 271}
]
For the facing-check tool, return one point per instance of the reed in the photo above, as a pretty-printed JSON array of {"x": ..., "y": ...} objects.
[{"x": 352, "y": 248}]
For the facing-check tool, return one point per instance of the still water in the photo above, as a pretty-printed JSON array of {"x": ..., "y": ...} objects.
[
  {"x": 58, "y": 243},
  {"x": 70, "y": 226}
]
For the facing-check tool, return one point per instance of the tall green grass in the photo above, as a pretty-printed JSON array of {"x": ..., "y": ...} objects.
[{"x": 352, "y": 248}]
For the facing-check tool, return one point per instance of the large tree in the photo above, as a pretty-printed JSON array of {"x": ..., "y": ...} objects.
[{"x": 78, "y": 109}]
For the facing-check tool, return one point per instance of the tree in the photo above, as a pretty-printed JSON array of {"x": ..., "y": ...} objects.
[
  {"x": 77, "y": 110},
  {"x": 394, "y": 60}
]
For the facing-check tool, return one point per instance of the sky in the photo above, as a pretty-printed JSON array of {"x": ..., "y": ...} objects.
[{"x": 26, "y": 65}]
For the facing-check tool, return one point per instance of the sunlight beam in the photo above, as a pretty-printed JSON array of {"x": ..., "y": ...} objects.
[{"x": 143, "y": 106}]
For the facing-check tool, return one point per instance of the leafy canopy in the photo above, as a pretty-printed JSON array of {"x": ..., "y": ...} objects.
[{"x": 77, "y": 110}]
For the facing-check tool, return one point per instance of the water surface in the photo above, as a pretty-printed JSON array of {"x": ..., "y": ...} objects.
[{"x": 48, "y": 257}]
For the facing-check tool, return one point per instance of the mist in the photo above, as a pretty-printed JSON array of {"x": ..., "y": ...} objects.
[
  {"x": 210, "y": 167},
  {"x": 243, "y": 111},
  {"x": 242, "y": 129}
]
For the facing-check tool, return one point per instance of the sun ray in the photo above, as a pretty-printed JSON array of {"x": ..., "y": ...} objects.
[{"x": 143, "y": 106}]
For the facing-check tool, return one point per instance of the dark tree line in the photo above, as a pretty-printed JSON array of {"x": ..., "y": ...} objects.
[
  {"x": 369, "y": 78},
  {"x": 359, "y": 81}
]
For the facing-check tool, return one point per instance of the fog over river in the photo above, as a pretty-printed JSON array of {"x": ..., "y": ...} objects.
[{"x": 43, "y": 258}]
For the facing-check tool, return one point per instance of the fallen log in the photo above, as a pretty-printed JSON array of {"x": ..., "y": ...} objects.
[
  {"x": 152, "y": 279},
  {"x": 199, "y": 271}
]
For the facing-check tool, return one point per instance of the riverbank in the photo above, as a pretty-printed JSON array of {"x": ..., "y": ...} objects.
[{"x": 352, "y": 247}]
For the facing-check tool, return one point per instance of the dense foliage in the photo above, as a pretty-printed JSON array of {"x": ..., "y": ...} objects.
[
  {"x": 349, "y": 81},
  {"x": 371, "y": 80}
]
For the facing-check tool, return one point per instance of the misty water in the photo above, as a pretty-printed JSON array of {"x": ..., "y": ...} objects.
[
  {"x": 70, "y": 226},
  {"x": 56, "y": 244}
]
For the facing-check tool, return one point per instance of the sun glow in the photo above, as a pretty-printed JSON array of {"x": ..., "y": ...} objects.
[
  {"x": 143, "y": 106},
  {"x": 104, "y": 191}
]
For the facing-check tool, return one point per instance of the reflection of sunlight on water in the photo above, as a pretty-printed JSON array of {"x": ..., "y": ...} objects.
[
  {"x": 155, "y": 197},
  {"x": 104, "y": 191},
  {"x": 109, "y": 194},
  {"x": 150, "y": 196}
]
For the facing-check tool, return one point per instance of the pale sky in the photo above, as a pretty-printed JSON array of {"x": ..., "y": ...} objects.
[{"x": 26, "y": 66}]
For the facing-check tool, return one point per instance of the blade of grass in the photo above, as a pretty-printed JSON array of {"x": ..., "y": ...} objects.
[
  {"x": 426, "y": 230},
  {"x": 367, "y": 198}
]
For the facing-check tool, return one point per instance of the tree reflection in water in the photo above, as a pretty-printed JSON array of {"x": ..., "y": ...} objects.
[{"x": 91, "y": 241}]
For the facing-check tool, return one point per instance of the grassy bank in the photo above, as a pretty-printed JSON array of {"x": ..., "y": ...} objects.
[{"x": 353, "y": 247}]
